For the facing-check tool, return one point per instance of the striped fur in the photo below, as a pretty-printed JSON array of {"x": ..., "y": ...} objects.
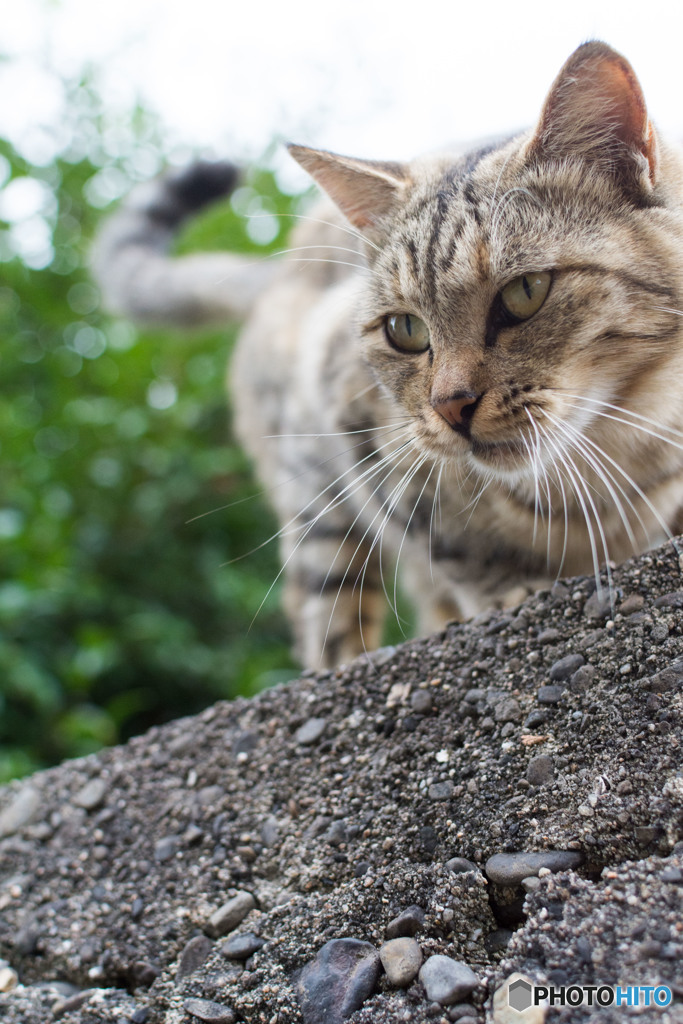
[{"x": 570, "y": 453}]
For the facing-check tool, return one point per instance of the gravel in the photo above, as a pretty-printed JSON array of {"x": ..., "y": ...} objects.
[{"x": 130, "y": 879}]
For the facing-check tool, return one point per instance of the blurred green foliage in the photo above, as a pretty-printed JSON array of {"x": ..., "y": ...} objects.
[{"x": 123, "y": 500}]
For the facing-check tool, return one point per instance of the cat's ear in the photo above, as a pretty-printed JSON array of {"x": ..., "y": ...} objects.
[
  {"x": 366, "y": 191},
  {"x": 596, "y": 110}
]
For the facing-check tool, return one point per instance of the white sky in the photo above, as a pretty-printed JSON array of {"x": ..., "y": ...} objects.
[{"x": 378, "y": 79}]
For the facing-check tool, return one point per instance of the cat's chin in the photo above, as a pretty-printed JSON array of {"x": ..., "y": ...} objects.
[{"x": 506, "y": 459}]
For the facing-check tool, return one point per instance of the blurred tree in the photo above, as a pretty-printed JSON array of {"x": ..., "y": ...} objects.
[{"x": 123, "y": 499}]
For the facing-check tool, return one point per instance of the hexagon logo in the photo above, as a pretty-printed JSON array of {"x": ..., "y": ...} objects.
[{"x": 519, "y": 995}]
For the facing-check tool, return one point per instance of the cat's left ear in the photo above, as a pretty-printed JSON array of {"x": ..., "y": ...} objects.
[
  {"x": 366, "y": 191},
  {"x": 596, "y": 110}
]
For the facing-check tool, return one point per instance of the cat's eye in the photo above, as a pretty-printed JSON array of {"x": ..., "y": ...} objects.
[
  {"x": 407, "y": 332},
  {"x": 524, "y": 295}
]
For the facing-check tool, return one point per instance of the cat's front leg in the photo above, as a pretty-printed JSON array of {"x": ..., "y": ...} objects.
[{"x": 333, "y": 594}]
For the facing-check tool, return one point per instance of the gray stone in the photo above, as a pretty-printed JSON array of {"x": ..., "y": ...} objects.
[
  {"x": 92, "y": 794},
  {"x": 598, "y": 605},
  {"x": 71, "y": 1004},
  {"x": 512, "y": 868},
  {"x": 441, "y": 790},
  {"x": 669, "y": 678},
  {"x": 421, "y": 702},
  {"x": 241, "y": 947},
  {"x": 565, "y": 667},
  {"x": 209, "y": 1012},
  {"x": 336, "y": 833},
  {"x": 548, "y": 636},
  {"x": 540, "y": 770},
  {"x": 459, "y": 865},
  {"x": 21, "y": 811},
  {"x": 311, "y": 731},
  {"x": 165, "y": 849},
  {"x": 507, "y": 710},
  {"x": 338, "y": 981},
  {"x": 401, "y": 960},
  {"x": 550, "y": 694},
  {"x": 633, "y": 603},
  {"x": 408, "y": 923},
  {"x": 447, "y": 981},
  {"x": 582, "y": 679},
  {"x": 232, "y": 913},
  {"x": 462, "y": 1011},
  {"x": 193, "y": 956}
]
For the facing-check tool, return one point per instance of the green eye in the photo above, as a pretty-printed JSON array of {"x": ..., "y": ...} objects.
[
  {"x": 524, "y": 296},
  {"x": 407, "y": 333}
]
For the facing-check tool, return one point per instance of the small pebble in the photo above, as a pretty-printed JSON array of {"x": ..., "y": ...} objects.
[
  {"x": 401, "y": 960},
  {"x": 194, "y": 955},
  {"x": 71, "y": 1003},
  {"x": 507, "y": 710},
  {"x": 441, "y": 790},
  {"x": 550, "y": 694},
  {"x": 540, "y": 770},
  {"x": 9, "y": 979},
  {"x": 338, "y": 981},
  {"x": 241, "y": 947},
  {"x": 407, "y": 924},
  {"x": 227, "y": 917},
  {"x": 336, "y": 833},
  {"x": 669, "y": 678},
  {"x": 462, "y": 1011},
  {"x": 92, "y": 794},
  {"x": 447, "y": 981},
  {"x": 565, "y": 667},
  {"x": 165, "y": 849},
  {"x": 459, "y": 865},
  {"x": 512, "y": 868},
  {"x": 311, "y": 731},
  {"x": 582, "y": 679},
  {"x": 210, "y": 1012},
  {"x": 421, "y": 702},
  {"x": 633, "y": 603},
  {"x": 22, "y": 810},
  {"x": 671, "y": 600},
  {"x": 598, "y": 606}
]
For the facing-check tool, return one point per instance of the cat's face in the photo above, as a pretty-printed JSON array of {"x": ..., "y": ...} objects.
[
  {"x": 512, "y": 294},
  {"x": 503, "y": 290}
]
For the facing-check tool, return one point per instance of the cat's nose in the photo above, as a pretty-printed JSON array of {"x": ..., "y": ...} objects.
[{"x": 458, "y": 410}]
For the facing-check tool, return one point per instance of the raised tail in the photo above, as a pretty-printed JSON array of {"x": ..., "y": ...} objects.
[{"x": 140, "y": 280}]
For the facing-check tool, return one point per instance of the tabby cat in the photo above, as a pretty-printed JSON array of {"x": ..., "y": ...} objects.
[{"x": 468, "y": 366}]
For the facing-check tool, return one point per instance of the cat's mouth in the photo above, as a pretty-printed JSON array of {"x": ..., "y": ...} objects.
[{"x": 508, "y": 455}]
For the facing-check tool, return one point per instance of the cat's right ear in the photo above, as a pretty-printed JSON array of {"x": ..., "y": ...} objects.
[{"x": 367, "y": 192}]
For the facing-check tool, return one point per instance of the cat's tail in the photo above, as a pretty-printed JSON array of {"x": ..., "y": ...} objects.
[{"x": 139, "y": 278}]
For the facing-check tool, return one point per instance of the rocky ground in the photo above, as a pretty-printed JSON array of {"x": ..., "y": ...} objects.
[{"x": 389, "y": 842}]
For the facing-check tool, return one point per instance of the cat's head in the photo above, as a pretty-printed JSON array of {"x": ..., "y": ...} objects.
[{"x": 512, "y": 291}]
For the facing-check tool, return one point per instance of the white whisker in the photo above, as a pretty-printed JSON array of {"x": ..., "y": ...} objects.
[
  {"x": 317, "y": 220},
  {"x": 635, "y": 421}
]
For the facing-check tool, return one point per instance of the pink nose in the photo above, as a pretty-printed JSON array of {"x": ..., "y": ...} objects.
[{"x": 459, "y": 409}]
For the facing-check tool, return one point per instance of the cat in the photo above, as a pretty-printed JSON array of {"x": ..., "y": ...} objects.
[{"x": 469, "y": 366}]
